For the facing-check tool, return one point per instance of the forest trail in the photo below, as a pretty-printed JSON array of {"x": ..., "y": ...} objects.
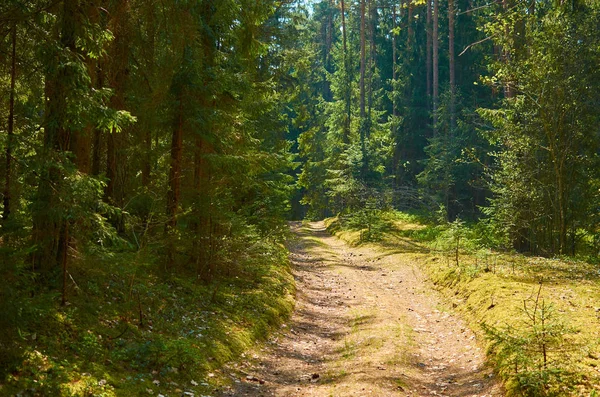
[{"x": 367, "y": 323}]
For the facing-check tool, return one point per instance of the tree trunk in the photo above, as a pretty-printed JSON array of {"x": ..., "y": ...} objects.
[
  {"x": 410, "y": 28},
  {"x": 11, "y": 124},
  {"x": 394, "y": 104},
  {"x": 428, "y": 49},
  {"x": 327, "y": 95},
  {"x": 508, "y": 84},
  {"x": 174, "y": 182},
  {"x": 344, "y": 42},
  {"x": 363, "y": 65},
  {"x": 363, "y": 59},
  {"x": 118, "y": 76},
  {"x": 436, "y": 85},
  {"x": 347, "y": 97},
  {"x": 50, "y": 228},
  {"x": 372, "y": 60},
  {"x": 395, "y": 158},
  {"x": 451, "y": 65},
  {"x": 148, "y": 125},
  {"x": 199, "y": 247},
  {"x": 147, "y": 163},
  {"x": 81, "y": 143},
  {"x": 111, "y": 168},
  {"x": 63, "y": 257},
  {"x": 97, "y": 134}
]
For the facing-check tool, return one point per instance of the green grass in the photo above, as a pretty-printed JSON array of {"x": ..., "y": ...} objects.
[
  {"x": 490, "y": 288},
  {"x": 494, "y": 292},
  {"x": 130, "y": 329}
]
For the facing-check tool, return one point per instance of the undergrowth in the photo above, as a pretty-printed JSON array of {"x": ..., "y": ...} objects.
[
  {"x": 542, "y": 341},
  {"x": 130, "y": 328}
]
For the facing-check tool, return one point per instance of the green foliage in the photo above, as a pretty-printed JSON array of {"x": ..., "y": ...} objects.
[
  {"x": 372, "y": 221},
  {"x": 114, "y": 103},
  {"x": 128, "y": 324},
  {"x": 453, "y": 172},
  {"x": 545, "y": 177}
]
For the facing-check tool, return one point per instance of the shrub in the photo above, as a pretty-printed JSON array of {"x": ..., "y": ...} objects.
[{"x": 533, "y": 358}]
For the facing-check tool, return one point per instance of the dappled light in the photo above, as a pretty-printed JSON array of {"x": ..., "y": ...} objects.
[{"x": 300, "y": 198}]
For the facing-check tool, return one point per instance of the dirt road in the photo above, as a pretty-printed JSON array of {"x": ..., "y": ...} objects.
[{"x": 367, "y": 323}]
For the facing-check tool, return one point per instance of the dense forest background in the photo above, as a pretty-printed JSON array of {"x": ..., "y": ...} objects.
[
  {"x": 188, "y": 132},
  {"x": 485, "y": 110}
]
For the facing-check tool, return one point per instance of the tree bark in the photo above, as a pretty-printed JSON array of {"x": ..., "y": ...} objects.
[
  {"x": 372, "y": 60},
  {"x": 50, "y": 226},
  {"x": 118, "y": 76},
  {"x": 199, "y": 247},
  {"x": 97, "y": 134},
  {"x": 363, "y": 59},
  {"x": 394, "y": 105},
  {"x": 435, "y": 63},
  {"x": 451, "y": 64},
  {"x": 147, "y": 126},
  {"x": 428, "y": 49},
  {"x": 11, "y": 125},
  {"x": 327, "y": 95},
  {"x": 174, "y": 182},
  {"x": 348, "y": 118}
]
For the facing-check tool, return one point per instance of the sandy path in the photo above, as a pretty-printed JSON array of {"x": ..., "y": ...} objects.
[{"x": 366, "y": 323}]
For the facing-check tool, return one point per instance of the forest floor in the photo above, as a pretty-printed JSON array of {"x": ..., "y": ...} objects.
[{"x": 367, "y": 322}]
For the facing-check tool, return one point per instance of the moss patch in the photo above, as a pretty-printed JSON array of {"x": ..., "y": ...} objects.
[{"x": 131, "y": 330}]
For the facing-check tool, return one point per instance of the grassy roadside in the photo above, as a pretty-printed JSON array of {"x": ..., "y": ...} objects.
[
  {"x": 132, "y": 330},
  {"x": 544, "y": 341}
]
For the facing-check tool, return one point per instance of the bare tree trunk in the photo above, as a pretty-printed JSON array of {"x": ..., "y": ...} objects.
[
  {"x": 363, "y": 59},
  {"x": 372, "y": 60},
  {"x": 329, "y": 41},
  {"x": 395, "y": 159},
  {"x": 11, "y": 124},
  {"x": 198, "y": 246},
  {"x": 174, "y": 183},
  {"x": 97, "y": 143},
  {"x": 146, "y": 165},
  {"x": 452, "y": 65},
  {"x": 148, "y": 125},
  {"x": 119, "y": 73},
  {"x": 344, "y": 43},
  {"x": 394, "y": 104},
  {"x": 97, "y": 134},
  {"x": 63, "y": 253},
  {"x": 436, "y": 84},
  {"x": 428, "y": 49},
  {"x": 111, "y": 168},
  {"x": 348, "y": 119},
  {"x": 328, "y": 45}
]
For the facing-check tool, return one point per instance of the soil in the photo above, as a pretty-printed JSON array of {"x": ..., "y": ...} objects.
[{"x": 367, "y": 323}]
